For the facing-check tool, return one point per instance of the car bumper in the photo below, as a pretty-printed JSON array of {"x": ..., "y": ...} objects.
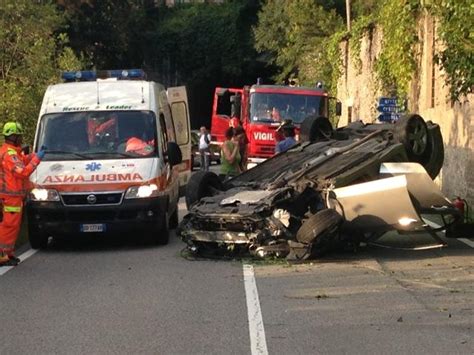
[{"x": 54, "y": 218}]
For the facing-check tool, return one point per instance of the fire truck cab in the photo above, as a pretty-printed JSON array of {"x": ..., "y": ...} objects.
[{"x": 260, "y": 109}]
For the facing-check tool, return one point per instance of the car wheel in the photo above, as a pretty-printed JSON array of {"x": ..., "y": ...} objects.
[
  {"x": 161, "y": 234},
  {"x": 315, "y": 129},
  {"x": 319, "y": 229},
  {"x": 38, "y": 239},
  {"x": 174, "y": 219},
  {"x": 434, "y": 155},
  {"x": 412, "y": 132},
  {"x": 202, "y": 184}
]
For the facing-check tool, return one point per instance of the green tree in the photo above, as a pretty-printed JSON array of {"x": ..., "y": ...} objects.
[
  {"x": 295, "y": 35},
  {"x": 456, "y": 31},
  {"x": 101, "y": 29},
  {"x": 30, "y": 56}
]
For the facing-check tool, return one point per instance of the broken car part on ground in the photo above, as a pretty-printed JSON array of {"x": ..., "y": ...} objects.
[{"x": 336, "y": 188}]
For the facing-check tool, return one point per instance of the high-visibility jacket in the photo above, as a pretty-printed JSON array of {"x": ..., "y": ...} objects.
[
  {"x": 138, "y": 146},
  {"x": 15, "y": 168}
]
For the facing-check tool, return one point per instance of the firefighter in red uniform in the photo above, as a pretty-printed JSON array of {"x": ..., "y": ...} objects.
[{"x": 15, "y": 168}]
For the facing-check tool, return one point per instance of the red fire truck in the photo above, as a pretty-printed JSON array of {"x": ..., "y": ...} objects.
[{"x": 260, "y": 110}]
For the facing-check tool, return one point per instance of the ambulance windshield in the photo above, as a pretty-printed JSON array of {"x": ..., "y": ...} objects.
[
  {"x": 98, "y": 135},
  {"x": 275, "y": 107}
]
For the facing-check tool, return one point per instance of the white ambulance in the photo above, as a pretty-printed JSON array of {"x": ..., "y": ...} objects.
[{"x": 117, "y": 147}]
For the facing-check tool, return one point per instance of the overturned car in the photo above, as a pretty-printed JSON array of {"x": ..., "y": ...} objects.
[{"x": 336, "y": 188}]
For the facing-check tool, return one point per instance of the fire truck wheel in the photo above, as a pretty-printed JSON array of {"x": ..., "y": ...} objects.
[
  {"x": 412, "y": 132},
  {"x": 161, "y": 234},
  {"x": 38, "y": 239},
  {"x": 434, "y": 155},
  {"x": 322, "y": 223},
  {"x": 315, "y": 128},
  {"x": 202, "y": 184}
]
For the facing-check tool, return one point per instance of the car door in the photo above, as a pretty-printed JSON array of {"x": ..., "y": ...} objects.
[{"x": 178, "y": 101}]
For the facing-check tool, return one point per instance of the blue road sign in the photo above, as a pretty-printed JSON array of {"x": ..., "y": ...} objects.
[
  {"x": 388, "y": 117},
  {"x": 385, "y": 109},
  {"x": 388, "y": 101},
  {"x": 388, "y": 104}
]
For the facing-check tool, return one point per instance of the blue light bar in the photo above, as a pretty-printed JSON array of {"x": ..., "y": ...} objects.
[
  {"x": 81, "y": 75},
  {"x": 124, "y": 74},
  {"x": 91, "y": 75}
]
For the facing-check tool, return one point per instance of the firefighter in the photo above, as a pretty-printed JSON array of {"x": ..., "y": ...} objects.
[
  {"x": 288, "y": 129},
  {"x": 15, "y": 168}
]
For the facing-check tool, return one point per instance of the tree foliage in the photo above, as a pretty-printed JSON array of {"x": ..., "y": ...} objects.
[
  {"x": 31, "y": 53},
  {"x": 295, "y": 34},
  {"x": 199, "y": 45},
  {"x": 456, "y": 30},
  {"x": 397, "y": 62},
  {"x": 399, "y": 21},
  {"x": 101, "y": 29}
]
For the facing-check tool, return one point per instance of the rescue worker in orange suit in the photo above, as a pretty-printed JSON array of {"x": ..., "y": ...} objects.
[
  {"x": 15, "y": 168},
  {"x": 140, "y": 147},
  {"x": 95, "y": 128}
]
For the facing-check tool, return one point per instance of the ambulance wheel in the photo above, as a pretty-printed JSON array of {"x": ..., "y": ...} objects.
[
  {"x": 38, "y": 239},
  {"x": 315, "y": 129},
  {"x": 161, "y": 234},
  {"x": 202, "y": 184}
]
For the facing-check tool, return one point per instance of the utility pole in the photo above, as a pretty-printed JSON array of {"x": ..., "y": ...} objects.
[{"x": 348, "y": 14}]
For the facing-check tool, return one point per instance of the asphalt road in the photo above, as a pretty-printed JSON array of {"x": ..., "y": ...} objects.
[{"x": 120, "y": 296}]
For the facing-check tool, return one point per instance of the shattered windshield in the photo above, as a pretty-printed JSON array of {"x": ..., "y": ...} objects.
[
  {"x": 98, "y": 135},
  {"x": 272, "y": 107}
]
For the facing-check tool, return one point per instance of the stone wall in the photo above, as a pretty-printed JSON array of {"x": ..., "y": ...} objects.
[{"x": 358, "y": 90}]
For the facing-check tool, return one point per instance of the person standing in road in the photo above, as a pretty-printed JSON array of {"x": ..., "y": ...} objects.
[
  {"x": 204, "y": 148},
  {"x": 289, "y": 140},
  {"x": 230, "y": 155},
  {"x": 15, "y": 168},
  {"x": 243, "y": 143}
]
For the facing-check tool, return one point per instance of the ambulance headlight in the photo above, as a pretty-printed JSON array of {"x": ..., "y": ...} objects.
[
  {"x": 143, "y": 191},
  {"x": 38, "y": 194}
]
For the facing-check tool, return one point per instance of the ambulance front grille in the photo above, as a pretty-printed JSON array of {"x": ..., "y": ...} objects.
[{"x": 92, "y": 199}]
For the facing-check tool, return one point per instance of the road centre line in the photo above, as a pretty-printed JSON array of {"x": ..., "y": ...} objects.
[
  {"x": 258, "y": 343},
  {"x": 23, "y": 257}
]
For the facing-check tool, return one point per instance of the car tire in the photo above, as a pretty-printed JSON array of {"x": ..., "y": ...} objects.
[
  {"x": 412, "y": 132},
  {"x": 434, "y": 155},
  {"x": 161, "y": 234},
  {"x": 315, "y": 128},
  {"x": 202, "y": 184},
  {"x": 38, "y": 239},
  {"x": 321, "y": 223},
  {"x": 174, "y": 219}
]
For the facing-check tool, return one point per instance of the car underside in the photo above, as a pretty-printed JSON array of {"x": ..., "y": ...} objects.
[{"x": 337, "y": 188}]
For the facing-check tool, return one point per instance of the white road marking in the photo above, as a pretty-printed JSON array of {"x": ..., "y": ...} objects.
[
  {"x": 463, "y": 240},
  {"x": 258, "y": 343},
  {"x": 467, "y": 241},
  {"x": 23, "y": 257}
]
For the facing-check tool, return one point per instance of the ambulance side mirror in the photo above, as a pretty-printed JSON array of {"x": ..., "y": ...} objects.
[{"x": 174, "y": 154}]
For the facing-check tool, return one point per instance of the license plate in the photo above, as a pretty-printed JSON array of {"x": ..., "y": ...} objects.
[{"x": 92, "y": 228}]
